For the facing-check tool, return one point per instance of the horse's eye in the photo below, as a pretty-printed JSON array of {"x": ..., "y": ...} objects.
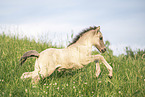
[{"x": 101, "y": 38}]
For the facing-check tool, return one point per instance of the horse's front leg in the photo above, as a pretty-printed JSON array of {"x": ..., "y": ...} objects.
[
  {"x": 101, "y": 58},
  {"x": 97, "y": 68}
]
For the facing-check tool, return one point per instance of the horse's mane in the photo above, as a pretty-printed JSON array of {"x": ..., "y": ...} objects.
[{"x": 81, "y": 34}]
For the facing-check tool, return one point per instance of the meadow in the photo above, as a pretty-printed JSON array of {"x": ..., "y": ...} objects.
[{"x": 128, "y": 74}]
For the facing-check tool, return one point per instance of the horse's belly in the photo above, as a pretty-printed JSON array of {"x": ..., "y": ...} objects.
[
  {"x": 61, "y": 57},
  {"x": 71, "y": 66}
]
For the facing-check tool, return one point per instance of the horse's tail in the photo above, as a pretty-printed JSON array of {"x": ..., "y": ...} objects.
[{"x": 28, "y": 54}]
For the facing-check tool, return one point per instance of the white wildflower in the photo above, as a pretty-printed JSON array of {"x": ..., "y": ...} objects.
[
  {"x": 26, "y": 90},
  {"x": 57, "y": 88},
  {"x": 85, "y": 83},
  {"x": 45, "y": 84},
  {"x": 66, "y": 84},
  {"x": 99, "y": 82},
  {"x": 10, "y": 95}
]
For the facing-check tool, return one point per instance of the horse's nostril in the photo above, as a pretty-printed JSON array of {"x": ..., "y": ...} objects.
[{"x": 104, "y": 49}]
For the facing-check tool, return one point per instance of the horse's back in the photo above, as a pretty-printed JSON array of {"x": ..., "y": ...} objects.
[
  {"x": 48, "y": 55},
  {"x": 63, "y": 57}
]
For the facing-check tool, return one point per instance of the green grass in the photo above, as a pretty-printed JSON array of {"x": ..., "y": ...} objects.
[{"x": 128, "y": 75}]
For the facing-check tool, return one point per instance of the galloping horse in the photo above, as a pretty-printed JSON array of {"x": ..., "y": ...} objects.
[{"x": 76, "y": 55}]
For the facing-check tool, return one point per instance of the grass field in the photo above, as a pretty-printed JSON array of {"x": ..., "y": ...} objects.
[{"x": 128, "y": 75}]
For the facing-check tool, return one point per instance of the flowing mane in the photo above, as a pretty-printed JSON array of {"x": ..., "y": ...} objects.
[{"x": 81, "y": 34}]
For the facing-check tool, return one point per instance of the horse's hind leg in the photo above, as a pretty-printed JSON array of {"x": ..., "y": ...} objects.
[
  {"x": 26, "y": 75},
  {"x": 31, "y": 74},
  {"x": 44, "y": 72}
]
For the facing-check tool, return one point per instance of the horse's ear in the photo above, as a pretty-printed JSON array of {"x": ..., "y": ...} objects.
[{"x": 97, "y": 30}]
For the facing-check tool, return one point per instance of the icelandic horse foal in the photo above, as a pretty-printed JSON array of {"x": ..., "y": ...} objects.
[{"x": 76, "y": 55}]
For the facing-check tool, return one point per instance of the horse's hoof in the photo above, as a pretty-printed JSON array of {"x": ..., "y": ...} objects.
[{"x": 110, "y": 77}]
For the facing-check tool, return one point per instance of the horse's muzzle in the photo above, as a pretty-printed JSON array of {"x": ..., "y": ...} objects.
[{"x": 103, "y": 50}]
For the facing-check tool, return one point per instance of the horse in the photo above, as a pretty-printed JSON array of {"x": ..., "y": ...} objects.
[{"x": 75, "y": 56}]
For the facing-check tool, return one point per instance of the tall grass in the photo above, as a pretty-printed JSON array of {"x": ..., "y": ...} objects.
[{"x": 128, "y": 75}]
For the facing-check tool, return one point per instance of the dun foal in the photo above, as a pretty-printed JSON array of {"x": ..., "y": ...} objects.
[{"x": 75, "y": 56}]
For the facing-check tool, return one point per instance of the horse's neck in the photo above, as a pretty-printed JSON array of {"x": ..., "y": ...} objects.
[
  {"x": 83, "y": 47},
  {"x": 84, "y": 44}
]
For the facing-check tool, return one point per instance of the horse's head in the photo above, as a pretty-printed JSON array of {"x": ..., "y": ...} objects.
[{"x": 98, "y": 40}]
